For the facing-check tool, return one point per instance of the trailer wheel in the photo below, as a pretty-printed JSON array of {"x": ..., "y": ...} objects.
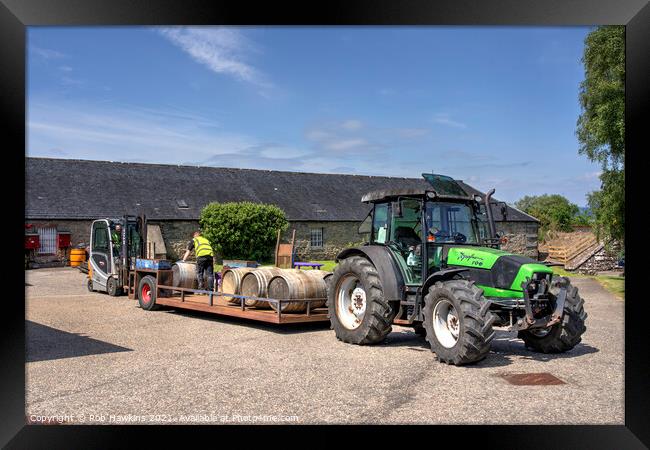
[
  {"x": 357, "y": 309},
  {"x": 458, "y": 322},
  {"x": 112, "y": 288},
  {"x": 147, "y": 293},
  {"x": 566, "y": 334}
]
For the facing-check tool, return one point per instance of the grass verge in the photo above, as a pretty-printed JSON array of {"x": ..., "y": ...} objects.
[{"x": 615, "y": 285}]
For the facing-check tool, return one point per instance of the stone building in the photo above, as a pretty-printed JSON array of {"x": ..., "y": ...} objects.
[{"x": 324, "y": 209}]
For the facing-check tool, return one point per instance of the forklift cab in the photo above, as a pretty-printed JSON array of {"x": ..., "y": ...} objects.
[{"x": 114, "y": 245}]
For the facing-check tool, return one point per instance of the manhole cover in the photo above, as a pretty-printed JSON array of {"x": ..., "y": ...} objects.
[{"x": 532, "y": 379}]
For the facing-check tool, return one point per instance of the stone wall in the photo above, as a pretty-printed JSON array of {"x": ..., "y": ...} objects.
[
  {"x": 337, "y": 236},
  {"x": 79, "y": 234},
  {"x": 522, "y": 237},
  {"x": 176, "y": 234}
]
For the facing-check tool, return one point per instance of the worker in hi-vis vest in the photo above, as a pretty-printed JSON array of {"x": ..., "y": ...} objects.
[{"x": 204, "y": 260}]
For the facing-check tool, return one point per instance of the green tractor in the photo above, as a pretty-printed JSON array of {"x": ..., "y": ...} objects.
[{"x": 433, "y": 262}]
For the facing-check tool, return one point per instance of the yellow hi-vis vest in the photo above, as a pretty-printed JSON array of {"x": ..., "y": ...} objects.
[{"x": 202, "y": 247}]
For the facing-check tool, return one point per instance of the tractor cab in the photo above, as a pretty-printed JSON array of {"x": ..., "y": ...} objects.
[
  {"x": 417, "y": 225},
  {"x": 115, "y": 243}
]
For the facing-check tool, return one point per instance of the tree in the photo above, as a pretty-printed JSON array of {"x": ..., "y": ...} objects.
[
  {"x": 608, "y": 205},
  {"x": 242, "y": 230},
  {"x": 601, "y": 125},
  {"x": 554, "y": 212}
]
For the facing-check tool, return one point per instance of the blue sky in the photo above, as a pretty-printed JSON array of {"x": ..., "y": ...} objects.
[{"x": 493, "y": 106}]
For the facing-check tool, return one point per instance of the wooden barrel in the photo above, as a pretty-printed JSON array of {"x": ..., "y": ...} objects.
[
  {"x": 231, "y": 283},
  {"x": 255, "y": 284},
  {"x": 184, "y": 275},
  {"x": 320, "y": 275},
  {"x": 77, "y": 256},
  {"x": 295, "y": 284}
]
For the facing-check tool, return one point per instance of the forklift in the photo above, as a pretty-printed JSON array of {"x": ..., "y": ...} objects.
[{"x": 115, "y": 244}]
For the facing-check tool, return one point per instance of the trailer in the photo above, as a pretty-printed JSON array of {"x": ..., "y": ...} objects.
[{"x": 154, "y": 288}]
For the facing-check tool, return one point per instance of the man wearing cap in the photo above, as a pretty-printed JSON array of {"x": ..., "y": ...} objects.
[{"x": 204, "y": 259}]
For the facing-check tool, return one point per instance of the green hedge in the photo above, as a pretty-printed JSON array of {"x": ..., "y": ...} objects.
[{"x": 242, "y": 230}]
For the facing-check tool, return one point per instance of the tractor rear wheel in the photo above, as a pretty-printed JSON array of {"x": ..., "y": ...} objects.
[
  {"x": 566, "y": 334},
  {"x": 458, "y": 322},
  {"x": 358, "y": 312},
  {"x": 147, "y": 293}
]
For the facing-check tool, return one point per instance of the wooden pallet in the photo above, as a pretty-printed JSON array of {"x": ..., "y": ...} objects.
[{"x": 566, "y": 252}]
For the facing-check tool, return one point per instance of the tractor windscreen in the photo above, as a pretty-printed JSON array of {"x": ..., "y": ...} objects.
[
  {"x": 444, "y": 185},
  {"x": 450, "y": 223}
]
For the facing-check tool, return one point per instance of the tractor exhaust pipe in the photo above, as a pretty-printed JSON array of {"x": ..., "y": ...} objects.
[{"x": 488, "y": 211}]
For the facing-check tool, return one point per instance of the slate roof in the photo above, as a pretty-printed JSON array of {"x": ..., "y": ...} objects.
[{"x": 83, "y": 189}]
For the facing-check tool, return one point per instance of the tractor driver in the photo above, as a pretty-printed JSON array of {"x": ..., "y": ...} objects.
[{"x": 204, "y": 258}]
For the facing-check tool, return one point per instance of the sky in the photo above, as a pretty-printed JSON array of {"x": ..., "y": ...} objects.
[{"x": 492, "y": 106}]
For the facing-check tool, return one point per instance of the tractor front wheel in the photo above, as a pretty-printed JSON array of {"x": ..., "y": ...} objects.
[
  {"x": 458, "y": 322},
  {"x": 357, "y": 310},
  {"x": 566, "y": 334}
]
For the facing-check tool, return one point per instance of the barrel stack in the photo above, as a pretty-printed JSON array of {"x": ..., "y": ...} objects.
[{"x": 276, "y": 283}]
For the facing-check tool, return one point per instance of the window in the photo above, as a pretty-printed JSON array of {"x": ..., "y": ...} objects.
[
  {"x": 100, "y": 237},
  {"x": 47, "y": 238},
  {"x": 380, "y": 223},
  {"x": 449, "y": 222},
  {"x": 182, "y": 204},
  {"x": 316, "y": 238}
]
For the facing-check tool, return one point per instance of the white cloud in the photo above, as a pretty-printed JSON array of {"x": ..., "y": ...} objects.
[
  {"x": 351, "y": 125},
  {"x": 346, "y": 144},
  {"x": 281, "y": 152},
  {"x": 223, "y": 50},
  {"x": 46, "y": 53},
  {"x": 445, "y": 119},
  {"x": 122, "y": 132}
]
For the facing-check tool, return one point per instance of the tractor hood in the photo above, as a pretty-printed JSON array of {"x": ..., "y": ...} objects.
[{"x": 499, "y": 273}]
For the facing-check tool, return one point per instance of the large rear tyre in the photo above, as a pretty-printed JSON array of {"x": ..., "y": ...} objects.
[
  {"x": 358, "y": 312},
  {"x": 458, "y": 322},
  {"x": 147, "y": 293},
  {"x": 566, "y": 334}
]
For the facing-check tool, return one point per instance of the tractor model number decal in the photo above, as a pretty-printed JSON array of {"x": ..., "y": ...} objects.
[{"x": 473, "y": 259}]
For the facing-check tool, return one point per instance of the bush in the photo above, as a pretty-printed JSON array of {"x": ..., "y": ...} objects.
[{"x": 242, "y": 230}]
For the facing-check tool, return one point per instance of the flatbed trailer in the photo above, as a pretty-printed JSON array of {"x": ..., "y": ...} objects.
[{"x": 214, "y": 302}]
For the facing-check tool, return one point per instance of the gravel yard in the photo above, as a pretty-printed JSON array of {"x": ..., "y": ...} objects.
[{"x": 96, "y": 359}]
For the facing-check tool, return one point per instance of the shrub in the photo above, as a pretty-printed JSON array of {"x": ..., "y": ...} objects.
[{"x": 242, "y": 230}]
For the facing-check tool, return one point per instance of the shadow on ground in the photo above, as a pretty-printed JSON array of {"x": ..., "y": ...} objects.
[
  {"x": 504, "y": 349},
  {"x": 45, "y": 343},
  {"x": 285, "y": 328}
]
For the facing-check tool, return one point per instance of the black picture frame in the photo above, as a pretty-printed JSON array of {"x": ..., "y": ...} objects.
[{"x": 16, "y": 15}]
